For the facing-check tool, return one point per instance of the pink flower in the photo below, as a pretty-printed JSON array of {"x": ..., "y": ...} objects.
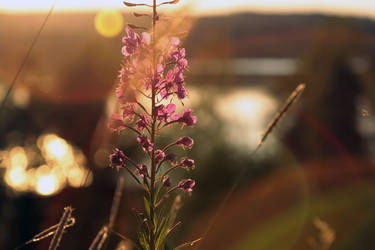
[
  {"x": 181, "y": 91},
  {"x": 185, "y": 141},
  {"x": 164, "y": 112},
  {"x": 117, "y": 159},
  {"x": 145, "y": 143},
  {"x": 186, "y": 185},
  {"x": 142, "y": 170},
  {"x": 116, "y": 123},
  {"x": 131, "y": 42},
  {"x": 142, "y": 122},
  {"x": 178, "y": 77},
  {"x": 187, "y": 163},
  {"x": 128, "y": 111},
  {"x": 170, "y": 158},
  {"x": 159, "y": 155},
  {"x": 187, "y": 118}
]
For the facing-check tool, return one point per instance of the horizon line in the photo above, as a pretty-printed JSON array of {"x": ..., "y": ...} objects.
[{"x": 265, "y": 11}]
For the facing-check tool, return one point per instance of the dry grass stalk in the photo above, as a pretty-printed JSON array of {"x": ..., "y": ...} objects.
[
  {"x": 289, "y": 102},
  {"x": 188, "y": 244},
  {"x": 103, "y": 233},
  {"x": 50, "y": 231},
  {"x": 99, "y": 239},
  {"x": 60, "y": 228},
  {"x": 116, "y": 202}
]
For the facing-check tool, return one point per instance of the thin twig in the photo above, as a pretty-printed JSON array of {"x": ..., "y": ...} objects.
[
  {"x": 289, "y": 102},
  {"x": 98, "y": 242},
  {"x": 60, "y": 228},
  {"x": 36, "y": 37},
  {"x": 133, "y": 175},
  {"x": 47, "y": 232}
]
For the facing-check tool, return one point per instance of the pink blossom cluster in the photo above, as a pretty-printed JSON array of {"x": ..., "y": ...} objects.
[{"x": 157, "y": 75}]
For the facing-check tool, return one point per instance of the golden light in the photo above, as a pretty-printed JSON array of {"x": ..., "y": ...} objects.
[
  {"x": 47, "y": 185},
  {"x": 109, "y": 23},
  {"x": 246, "y": 106},
  {"x": 246, "y": 113},
  {"x": 77, "y": 177},
  {"x": 47, "y": 182},
  {"x": 55, "y": 148},
  {"x": 16, "y": 177},
  {"x": 18, "y": 157},
  {"x": 205, "y": 7},
  {"x": 64, "y": 165}
]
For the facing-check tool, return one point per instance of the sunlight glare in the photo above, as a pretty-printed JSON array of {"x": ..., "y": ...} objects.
[
  {"x": 205, "y": 7},
  {"x": 246, "y": 113},
  {"x": 109, "y": 23}
]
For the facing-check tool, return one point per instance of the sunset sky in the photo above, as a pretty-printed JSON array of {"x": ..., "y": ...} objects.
[{"x": 352, "y": 7}]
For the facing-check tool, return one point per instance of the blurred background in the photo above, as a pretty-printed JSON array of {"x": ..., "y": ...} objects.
[{"x": 245, "y": 59}]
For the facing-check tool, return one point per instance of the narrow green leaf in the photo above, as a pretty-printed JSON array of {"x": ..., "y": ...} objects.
[
  {"x": 143, "y": 240},
  {"x": 157, "y": 193},
  {"x": 161, "y": 233},
  {"x": 147, "y": 206}
]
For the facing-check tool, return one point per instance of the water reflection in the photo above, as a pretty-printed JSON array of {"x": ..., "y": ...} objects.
[
  {"x": 246, "y": 112},
  {"x": 45, "y": 168}
]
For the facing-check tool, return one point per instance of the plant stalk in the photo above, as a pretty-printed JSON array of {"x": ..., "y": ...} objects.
[{"x": 153, "y": 163}]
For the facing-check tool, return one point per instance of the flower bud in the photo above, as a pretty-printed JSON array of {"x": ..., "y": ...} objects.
[
  {"x": 117, "y": 159},
  {"x": 159, "y": 155},
  {"x": 142, "y": 170},
  {"x": 185, "y": 141},
  {"x": 187, "y": 163},
  {"x": 186, "y": 185}
]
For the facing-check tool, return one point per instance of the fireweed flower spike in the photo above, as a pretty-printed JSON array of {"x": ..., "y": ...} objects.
[{"x": 156, "y": 73}]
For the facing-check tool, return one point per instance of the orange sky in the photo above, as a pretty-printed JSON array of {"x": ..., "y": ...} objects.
[{"x": 351, "y": 7}]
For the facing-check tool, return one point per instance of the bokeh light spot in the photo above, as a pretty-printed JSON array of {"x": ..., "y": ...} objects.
[
  {"x": 47, "y": 185},
  {"x": 63, "y": 164},
  {"x": 109, "y": 23}
]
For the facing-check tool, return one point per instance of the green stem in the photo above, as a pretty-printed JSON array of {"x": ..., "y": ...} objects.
[{"x": 153, "y": 163}]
